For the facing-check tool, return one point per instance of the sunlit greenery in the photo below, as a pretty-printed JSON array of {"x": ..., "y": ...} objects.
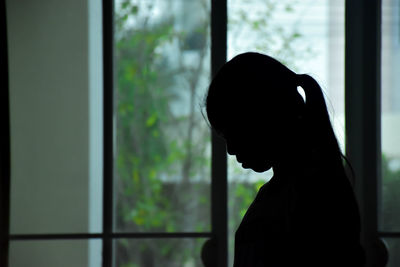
[
  {"x": 162, "y": 159},
  {"x": 390, "y": 219},
  {"x": 163, "y": 143}
]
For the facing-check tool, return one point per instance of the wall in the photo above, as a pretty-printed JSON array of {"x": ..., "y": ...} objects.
[{"x": 55, "y": 68}]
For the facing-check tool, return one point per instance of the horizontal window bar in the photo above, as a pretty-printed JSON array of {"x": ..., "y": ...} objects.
[
  {"x": 136, "y": 235},
  {"x": 389, "y": 234},
  {"x": 112, "y": 235}
]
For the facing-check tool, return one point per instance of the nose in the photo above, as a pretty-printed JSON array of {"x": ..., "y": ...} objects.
[{"x": 231, "y": 151}]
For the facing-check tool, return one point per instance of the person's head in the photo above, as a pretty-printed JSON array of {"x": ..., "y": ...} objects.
[{"x": 254, "y": 104}]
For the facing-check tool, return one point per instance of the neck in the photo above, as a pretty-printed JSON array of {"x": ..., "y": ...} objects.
[{"x": 294, "y": 161}]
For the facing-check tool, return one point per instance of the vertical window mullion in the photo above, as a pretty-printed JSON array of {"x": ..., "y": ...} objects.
[
  {"x": 219, "y": 182},
  {"x": 5, "y": 144},
  {"x": 108, "y": 130},
  {"x": 362, "y": 96}
]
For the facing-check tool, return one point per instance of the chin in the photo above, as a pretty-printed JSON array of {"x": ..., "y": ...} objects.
[
  {"x": 261, "y": 169},
  {"x": 258, "y": 168}
]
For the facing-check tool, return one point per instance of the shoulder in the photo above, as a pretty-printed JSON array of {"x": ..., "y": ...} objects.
[{"x": 325, "y": 198}]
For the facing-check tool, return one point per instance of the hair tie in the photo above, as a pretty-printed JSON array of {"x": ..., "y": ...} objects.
[{"x": 300, "y": 80}]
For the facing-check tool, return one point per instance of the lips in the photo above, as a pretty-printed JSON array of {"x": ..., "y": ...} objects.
[{"x": 240, "y": 160}]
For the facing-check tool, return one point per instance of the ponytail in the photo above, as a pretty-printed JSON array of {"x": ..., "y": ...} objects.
[
  {"x": 317, "y": 116},
  {"x": 315, "y": 101}
]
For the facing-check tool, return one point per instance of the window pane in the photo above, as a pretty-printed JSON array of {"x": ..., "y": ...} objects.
[
  {"x": 393, "y": 245},
  {"x": 390, "y": 218},
  {"x": 166, "y": 252},
  {"x": 163, "y": 143},
  {"x": 307, "y": 36},
  {"x": 58, "y": 253}
]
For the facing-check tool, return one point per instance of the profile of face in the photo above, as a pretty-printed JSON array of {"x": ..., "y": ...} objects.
[
  {"x": 258, "y": 146},
  {"x": 254, "y": 106},
  {"x": 251, "y": 153}
]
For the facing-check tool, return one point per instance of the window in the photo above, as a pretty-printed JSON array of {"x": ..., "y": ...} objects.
[
  {"x": 389, "y": 220},
  {"x": 55, "y": 99},
  {"x": 162, "y": 161},
  {"x": 308, "y": 36},
  {"x": 140, "y": 180}
]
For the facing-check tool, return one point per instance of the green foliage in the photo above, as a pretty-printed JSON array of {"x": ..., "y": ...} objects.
[
  {"x": 162, "y": 164},
  {"x": 274, "y": 36},
  {"x": 390, "y": 196},
  {"x": 162, "y": 159},
  {"x": 159, "y": 152},
  {"x": 390, "y": 216}
]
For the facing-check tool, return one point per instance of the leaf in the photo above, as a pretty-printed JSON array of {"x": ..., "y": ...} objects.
[
  {"x": 134, "y": 9},
  {"x": 151, "y": 120},
  {"x": 242, "y": 213},
  {"x": 155, "y": 133},
  {"x": 135, "y": 176},
  {"x": 296, "y": 35},
  {"x": 124, "y": 4},
  {"x": 289, "y": 8},
  {"x": 258, "y": 184},
  {"x": 138, "y": 219},
  {"x": 152, "y": 174},
  {"x": 171, "y": 227}
]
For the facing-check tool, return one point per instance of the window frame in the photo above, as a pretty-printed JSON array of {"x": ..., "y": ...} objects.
[
  {"x": 363, "y": 116},
  {"x": 5, "y": 141},
  {"x": 362, "y": 112},
  {"x": 218, "y": 186}
]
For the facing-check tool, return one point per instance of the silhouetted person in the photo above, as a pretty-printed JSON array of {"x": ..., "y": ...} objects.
[{"x": 306, "y": 215}]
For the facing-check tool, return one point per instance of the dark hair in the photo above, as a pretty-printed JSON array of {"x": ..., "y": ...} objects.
[{"x": 254, "y": 86}]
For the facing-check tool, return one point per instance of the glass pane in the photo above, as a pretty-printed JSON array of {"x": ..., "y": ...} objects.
[
  {"x": 163, "y": 143},
  {"x": 390, "y": 218},
  {"x": 307, "y": 36},
  {"x": 166, "y": 252},
  {"x": 393, "y": 245},
  {"x": 58, "y": 253},
  {"x": 55, "y": 117}
]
